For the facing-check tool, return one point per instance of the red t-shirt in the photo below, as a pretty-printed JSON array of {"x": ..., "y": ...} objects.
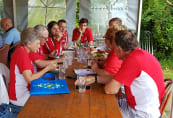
[
  {"x": 39, "y": 55},
  {"x": 51, "y": 45},
  {"x": 87, "y": 35},
  {"x": 64, "y": 38},
  {"x": 112, "y": 63},
  {"x": 18, "y": 86},
  {"x": 143, "y": 80}
]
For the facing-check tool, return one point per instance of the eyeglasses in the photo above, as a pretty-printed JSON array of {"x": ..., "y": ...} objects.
[{"x": 45, "y": 38}]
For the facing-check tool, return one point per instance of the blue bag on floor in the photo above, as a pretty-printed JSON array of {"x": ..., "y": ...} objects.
[
  {"x": 9, "y": 111},
  {"x": 45, "y": 87}
]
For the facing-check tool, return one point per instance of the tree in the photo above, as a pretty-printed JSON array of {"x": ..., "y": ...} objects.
[{"x": 157, "y": 20}]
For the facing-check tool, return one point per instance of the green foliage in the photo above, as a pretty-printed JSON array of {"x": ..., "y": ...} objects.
[
  {"x": 157, "y": 18},
  {"x": 77, "y": 13}
]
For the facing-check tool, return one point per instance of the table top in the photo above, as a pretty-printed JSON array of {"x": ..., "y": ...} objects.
[{"x": 91, "y": 104}]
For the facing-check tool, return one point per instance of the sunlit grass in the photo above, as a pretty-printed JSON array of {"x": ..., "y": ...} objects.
[{"x": 167, "y": 66}]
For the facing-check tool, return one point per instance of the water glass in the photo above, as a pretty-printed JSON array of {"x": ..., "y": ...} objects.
[
  {"x": 70, "y": 60},
  {"x": 81, "y": 83},
  {"x": 89, "y": 62},
  {"x": 65, "y": 62},
  {"x": 61, "y": 72}
]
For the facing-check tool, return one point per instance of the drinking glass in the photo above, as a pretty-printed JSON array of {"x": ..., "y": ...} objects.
[
  {"x": 81, "y": 83},
  {"x": 61, "y": 72}
]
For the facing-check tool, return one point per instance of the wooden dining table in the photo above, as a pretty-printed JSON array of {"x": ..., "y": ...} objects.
[{"x": 91, "y": 104}]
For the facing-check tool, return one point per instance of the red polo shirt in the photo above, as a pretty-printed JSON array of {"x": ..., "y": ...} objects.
[
  {"x": 64, "y": 38},
  {"x": 51, "y": 45},
  {"x": 112, "y": 63},
  {"x": 87, "y": 35},
  {"x": 39, "y": 55}
]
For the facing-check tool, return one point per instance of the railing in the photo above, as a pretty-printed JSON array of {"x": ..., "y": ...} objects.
[
  {"x": 146, "y": 42},
  {"x": 99, "y": 39}
]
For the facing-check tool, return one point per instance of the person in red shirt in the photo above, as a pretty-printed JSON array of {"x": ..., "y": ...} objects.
[
  {"x": 22, "y": 70},
  {"x": 39, "y": 59},
  {"x": 63, "y": 28},
  {"x": 111, "y": 64},
  {"x": 141, "y": 75},
  {"x": 53, "y": 46},
  {"x": 112, "y": 22},
  {"x": 83, "y": 34}
]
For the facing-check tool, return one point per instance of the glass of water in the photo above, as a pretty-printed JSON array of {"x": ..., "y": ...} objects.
[
  {"x": 81, "y": 83},
  {"x": 61, "y": 72}
]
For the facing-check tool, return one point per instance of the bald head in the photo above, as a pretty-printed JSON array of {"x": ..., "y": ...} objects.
[
  {"x": 6, "y": 23},
  {"x": 114, "y": 21}
]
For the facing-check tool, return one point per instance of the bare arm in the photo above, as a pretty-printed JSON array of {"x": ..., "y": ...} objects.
[
  {"x": 81, "y": 33},
  {"x": 44, "y": 63},
  {"x": 29, "y": 76},
  {"x": 104, "y": 79},
  {"x": 112, "y": 87},
  {"x": 100, "y": 79},
  {"x": 99, "y": 71}
]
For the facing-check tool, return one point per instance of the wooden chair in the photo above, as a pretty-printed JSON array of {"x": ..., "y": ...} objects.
[
  {"x": 167, "y": 102},
  {"x": 4, "y": 55}
]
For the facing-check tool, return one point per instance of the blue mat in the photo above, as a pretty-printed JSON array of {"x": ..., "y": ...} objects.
[{"x": 46, "y": 87}]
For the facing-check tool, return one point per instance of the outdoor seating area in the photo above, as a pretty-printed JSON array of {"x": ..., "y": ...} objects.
[{"x": 86, "y": 59}]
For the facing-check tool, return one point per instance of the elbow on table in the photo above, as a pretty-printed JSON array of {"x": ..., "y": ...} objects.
[
  {"x": 112, "y": 87},
  {"x": 114, "y": 91}
]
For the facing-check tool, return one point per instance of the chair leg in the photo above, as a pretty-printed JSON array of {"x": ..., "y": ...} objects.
[{"x": 172, "y": 108}]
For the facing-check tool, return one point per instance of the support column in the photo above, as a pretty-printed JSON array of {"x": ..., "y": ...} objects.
[{"x": 70, "y": 17}]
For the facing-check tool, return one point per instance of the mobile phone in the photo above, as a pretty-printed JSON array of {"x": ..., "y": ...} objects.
[{"x": 72, "y": 76}]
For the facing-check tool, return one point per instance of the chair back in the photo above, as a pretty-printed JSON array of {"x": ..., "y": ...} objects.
[
  {"x": 166, "y": 106},
  {"x": 4, "y": 55}
]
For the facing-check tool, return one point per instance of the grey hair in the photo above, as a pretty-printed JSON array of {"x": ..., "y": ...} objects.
[
  {"x": 40, "y": 28},
  {"x": 29, "y": 35},
  {"x": 126, "y": 40}
]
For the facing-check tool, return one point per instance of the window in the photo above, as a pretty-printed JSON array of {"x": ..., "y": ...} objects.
[
  {"x": 102, "y": 11},
  {"x": 44, "y": 11}
]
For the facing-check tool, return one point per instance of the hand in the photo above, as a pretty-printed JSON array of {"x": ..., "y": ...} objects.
[
  {"x": 52, "y": 66},
  {"x": 53, "y": 53},
  {"x": 61, "y": 58},
  {"x": 94, "y": 67},
  {"x": 108, "y": 50},
  {"x": 80, "y": 30},
  {"x": 88, "y": 80},
  {"x": 58, "y": 36}
]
